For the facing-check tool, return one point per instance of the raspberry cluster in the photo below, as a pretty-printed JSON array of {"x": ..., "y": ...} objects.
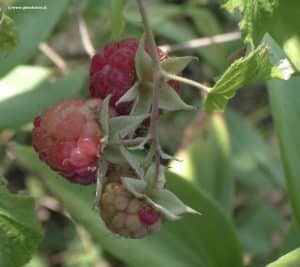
[{"x": 69, "y": 138}]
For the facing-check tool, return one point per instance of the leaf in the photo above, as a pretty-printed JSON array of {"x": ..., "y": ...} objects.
[
  {"x": 13, "y": 84},
  {"x": 33, "y": 26},
  {"x": 175, "y": 65},
  {"x": 278, "y": 18},
  {"x": 255, "y": 67},
  {"x": 24, "y": 107},
  {"x": 291, "y": 259},
  {"x": 8, "y": 35},
  {"x": 285, "y": 105},
  {"x": 171, "y": 101},
  {"x": 177, "y": 245},
  {"x": 256, "y": 225},
  {"x": 256, "y": 164},
  {"x": 117, "y": 20},
  {"x": 122, "y": 126},
  {"x": 205, "y": 160},
  {"x": 20, "y": 230}
]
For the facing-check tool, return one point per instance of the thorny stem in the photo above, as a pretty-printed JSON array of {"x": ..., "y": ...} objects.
[{"x": 158, "y": 82}]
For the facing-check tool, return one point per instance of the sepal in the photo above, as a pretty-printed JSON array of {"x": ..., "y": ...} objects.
[
  {"x": 135, "y": 186},
  {"x": 130, "y": 95},
  {"x": 171, "y": 101},
  {"x": 123, "y": 126},
  {"x": 143, "y": 63},
  {"x": 133, "y": 161},
  {"x": 104, "y": 115},
  {"x": 169, "y": 204},
  {"x": 175, "y": 65}
]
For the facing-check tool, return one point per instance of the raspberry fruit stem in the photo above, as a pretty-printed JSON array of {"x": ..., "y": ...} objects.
[
  {"x": 158, "y": 82},
  {"x": 203, "y": 88}
]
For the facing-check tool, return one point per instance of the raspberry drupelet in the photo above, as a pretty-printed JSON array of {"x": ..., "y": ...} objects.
[
  {"x": 126, "y": 215},
  {"x": 112, "y": 71},
  {"x": 67, "y": 137}
]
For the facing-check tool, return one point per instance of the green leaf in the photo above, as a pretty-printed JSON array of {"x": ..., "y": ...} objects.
[
  {"x": 117, "y": 20},
  {"x": 177, "y": 245},
  {"x": 291, "y": 259},
  {"x": 256, "y": 225},
  {"x": 33, "y": 26},
  {"x": 205, "y": 161},
  {"x": 122, "y": 126},
  {"x": 24, "y": 107},
  {"x": 256, "y": 163},
  {"x": 20, "y": 230},
  {"x": 8, "y": 35},
  {"x": 171, "y": 101},
  {"x": 285, "y": 105},
  {"x": 175, "y": 65},
  {"x": 13, "y": 84},
  {"x": 279, "y": 18},
  {"x": 255, "y": 67}
]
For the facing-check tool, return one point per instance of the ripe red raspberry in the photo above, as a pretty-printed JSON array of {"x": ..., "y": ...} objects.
[
  {"x": 126, "y": 215},
  {"x": 67, "y": 137},
  {"x": 112, "y": 71}
]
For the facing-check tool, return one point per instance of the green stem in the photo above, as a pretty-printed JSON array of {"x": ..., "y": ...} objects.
[{"x": 200, "y": 86}]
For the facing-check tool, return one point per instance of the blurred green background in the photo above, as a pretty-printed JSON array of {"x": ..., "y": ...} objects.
[{"x": 229, "y": 165}]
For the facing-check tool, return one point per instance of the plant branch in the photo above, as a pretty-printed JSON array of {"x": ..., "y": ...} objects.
[
  {"x": 201, "y": 42},
  {"x": 158, "y": 82},
  {"x": 85, "y": 36},
  {"x": 54, "y": 57}
]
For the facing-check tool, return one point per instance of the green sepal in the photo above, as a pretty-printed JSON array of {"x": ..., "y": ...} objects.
[
  {"x": 162, "y": 200},
  {"x": 169, "y": 204},
  {"x": 143, "y": 63},
  {"x": 135, "y": 186},
  {"x": 150, "y": 176},
  {"x": 113, "y": 155},
  {"x": 104, "y": 116},
  {"x": 175, "y": 65},
  {"x": 123, "y": 126},
  {"x": 133, "y": 161},
  {"x": 171, "y": 101},
  {"x": 143, "y": 102},
  {"x": 130, "y": 95},
  {"x": 141, "y": 145}
]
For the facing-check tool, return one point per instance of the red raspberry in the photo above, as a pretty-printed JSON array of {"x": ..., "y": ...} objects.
[
  {"x": 112, "y": 71},
  {"x": 126, "y": 215},
  {"x": 67, "y": 137}
]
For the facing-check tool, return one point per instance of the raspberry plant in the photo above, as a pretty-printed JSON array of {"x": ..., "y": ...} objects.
[{"x": 109, "y": 143}]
